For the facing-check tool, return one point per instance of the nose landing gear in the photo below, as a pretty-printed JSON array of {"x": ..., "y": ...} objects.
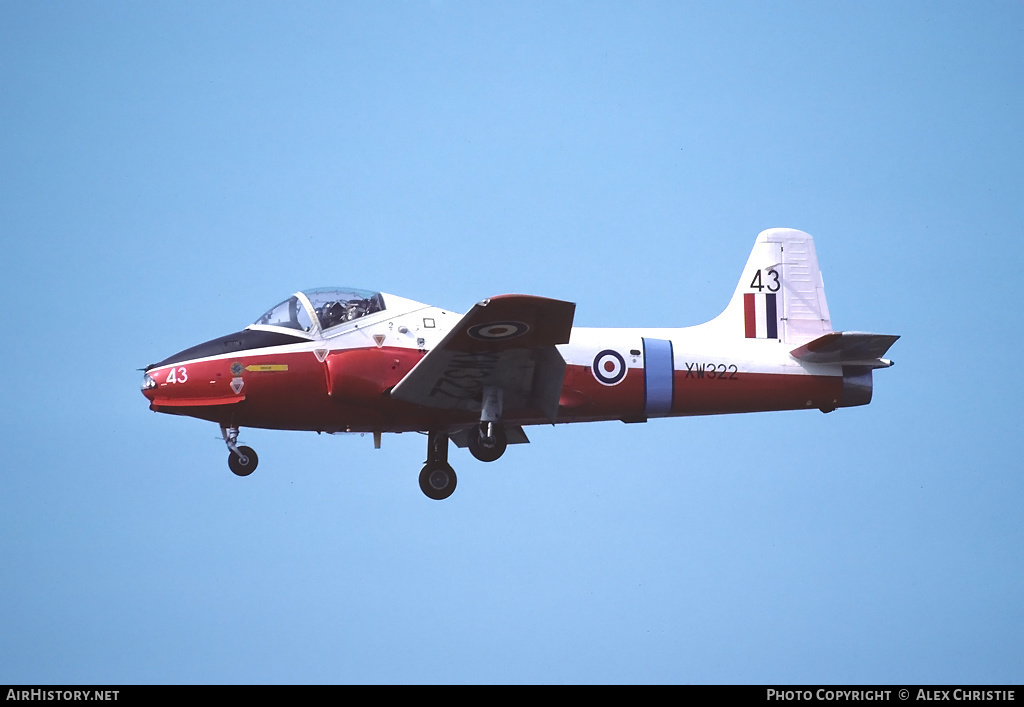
[{"x": 242, "y": 460}]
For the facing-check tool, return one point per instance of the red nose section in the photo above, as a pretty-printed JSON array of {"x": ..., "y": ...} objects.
[{"x": 193, "y": 384}]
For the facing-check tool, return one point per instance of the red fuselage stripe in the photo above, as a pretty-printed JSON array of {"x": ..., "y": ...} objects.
[{"x": 294, "y": 391}]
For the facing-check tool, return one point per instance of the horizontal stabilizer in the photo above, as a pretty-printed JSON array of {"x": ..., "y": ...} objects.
[{"x": 847, "y": 348}]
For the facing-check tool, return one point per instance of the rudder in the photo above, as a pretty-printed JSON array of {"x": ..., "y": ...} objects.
[{"x": 781, "y": 294}]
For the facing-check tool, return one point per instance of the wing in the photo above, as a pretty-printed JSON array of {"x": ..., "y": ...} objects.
[{"x": 507, "y": 342}]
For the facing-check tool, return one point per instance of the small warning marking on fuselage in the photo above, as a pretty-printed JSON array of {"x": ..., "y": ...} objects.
[
  {"x": 379, "y": 339},
  {"x": 256, "y": 367}
]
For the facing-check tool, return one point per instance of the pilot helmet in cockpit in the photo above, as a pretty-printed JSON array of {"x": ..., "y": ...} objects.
[{"x": 330, "y": 314}]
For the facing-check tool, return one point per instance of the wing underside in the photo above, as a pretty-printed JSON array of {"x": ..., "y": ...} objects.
[{"x": 506, "y": 342}]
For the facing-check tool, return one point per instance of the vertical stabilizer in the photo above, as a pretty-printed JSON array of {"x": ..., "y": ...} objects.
[{"x": 780, "y": 295}]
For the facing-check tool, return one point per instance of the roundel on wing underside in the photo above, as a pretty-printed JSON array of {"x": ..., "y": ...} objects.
[
  {"x": 609, "y": 367},
  {"x": 498, "y": 331}
]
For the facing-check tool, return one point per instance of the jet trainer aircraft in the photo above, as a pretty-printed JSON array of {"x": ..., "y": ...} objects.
[{"x": 345, "y": 360}]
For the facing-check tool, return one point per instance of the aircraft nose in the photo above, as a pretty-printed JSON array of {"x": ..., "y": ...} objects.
[{"x": 148, "y": 385}]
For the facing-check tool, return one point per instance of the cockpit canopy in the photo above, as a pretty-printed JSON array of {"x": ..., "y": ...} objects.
[{"x": 322, "y": 308}]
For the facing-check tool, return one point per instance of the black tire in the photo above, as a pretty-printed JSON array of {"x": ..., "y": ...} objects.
[
  {"x": 438, "y": 480},
  {"x": 240, "y": 467},
  {"x": 488, "y": 452}
]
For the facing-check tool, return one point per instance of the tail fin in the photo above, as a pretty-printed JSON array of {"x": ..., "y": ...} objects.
[{"x": 780, "y": 294}]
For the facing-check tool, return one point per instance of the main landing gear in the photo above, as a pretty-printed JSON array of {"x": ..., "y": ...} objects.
[
  {"x": 242, "y": 460},
  {"x": 437, "y": 479},
  {"x": 487, "y": 442}
]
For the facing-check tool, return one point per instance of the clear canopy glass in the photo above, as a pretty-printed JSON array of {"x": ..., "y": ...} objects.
[
  {"x": 291, "y": 314},
  {"x": 332, "y": 307}
]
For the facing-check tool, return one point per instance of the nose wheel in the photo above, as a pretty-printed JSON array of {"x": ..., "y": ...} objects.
[{"x": 242, "y": 460}]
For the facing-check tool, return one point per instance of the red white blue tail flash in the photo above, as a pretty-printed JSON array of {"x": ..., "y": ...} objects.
[{"x": 760, "y": 316}]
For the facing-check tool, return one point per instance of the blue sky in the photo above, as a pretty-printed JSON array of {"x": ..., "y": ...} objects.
[{"x": 170, "y": 171}]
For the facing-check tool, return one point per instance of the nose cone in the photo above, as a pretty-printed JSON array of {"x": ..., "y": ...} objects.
[
  {"x": 148, "y": 385},
  {"x": 199, "y": 374}
]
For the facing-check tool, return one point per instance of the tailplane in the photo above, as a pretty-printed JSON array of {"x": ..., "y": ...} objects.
[{"x": 849, "y": 348}]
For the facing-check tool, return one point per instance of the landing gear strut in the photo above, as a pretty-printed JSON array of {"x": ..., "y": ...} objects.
[
  {"x": 242, "y": 460},
  {"x": 437, "y": 479},
  {"x": 489, "y": 442}
]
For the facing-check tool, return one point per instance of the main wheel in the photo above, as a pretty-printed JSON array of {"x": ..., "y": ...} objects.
[
  {"x": 437, "y": 480},
  {"x": 243, "y": 463},
  {"x": 487, "y": 450}
]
